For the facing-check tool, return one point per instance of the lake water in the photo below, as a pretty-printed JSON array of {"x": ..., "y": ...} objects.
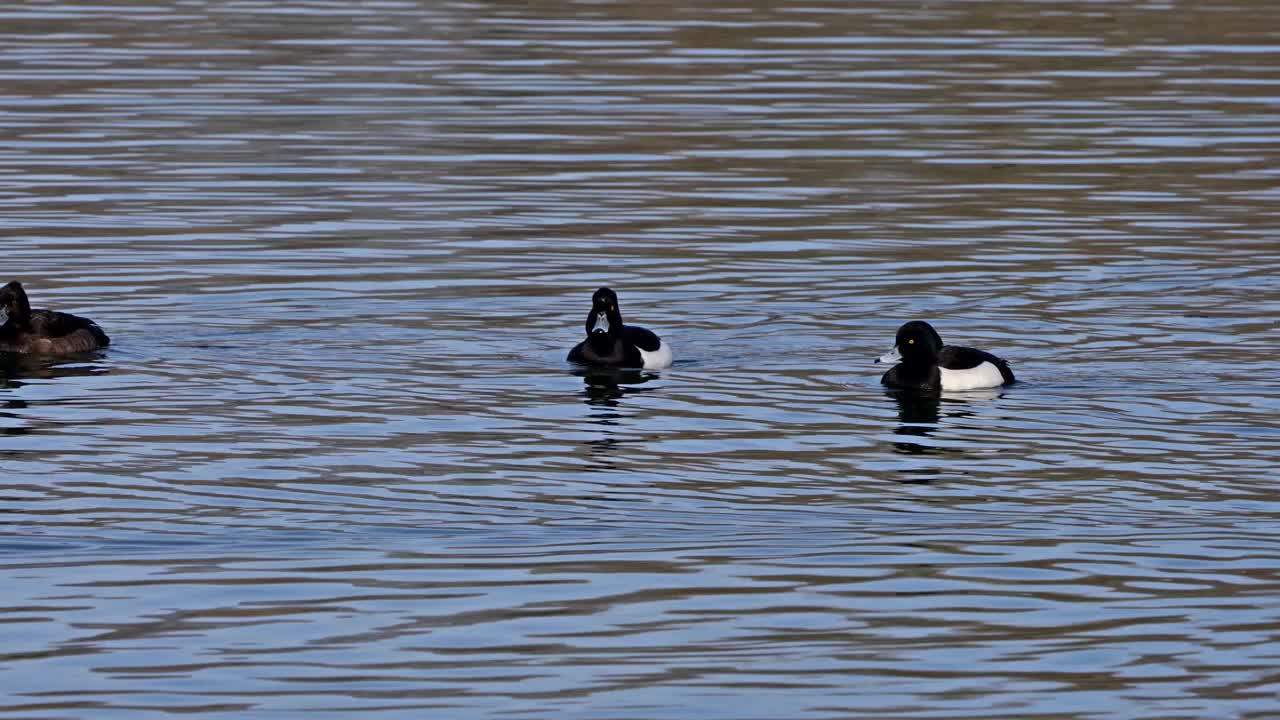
[{"x": 334, "y": 463}]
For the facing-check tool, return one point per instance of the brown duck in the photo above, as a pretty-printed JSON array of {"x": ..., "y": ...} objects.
[{"x": 43, "y": 332}]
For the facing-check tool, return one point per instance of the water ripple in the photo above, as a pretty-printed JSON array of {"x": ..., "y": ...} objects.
[{"x": 334, "y": 459}]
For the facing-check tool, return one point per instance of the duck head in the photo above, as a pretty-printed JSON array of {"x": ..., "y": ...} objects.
[
  {"x": 604, "y": 316},
  {"x": 14, "y": 307},
  {"x": 917, "y": 343}
]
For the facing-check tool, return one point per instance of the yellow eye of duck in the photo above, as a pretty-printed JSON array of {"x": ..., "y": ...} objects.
[{"x": 911, "y": 342}]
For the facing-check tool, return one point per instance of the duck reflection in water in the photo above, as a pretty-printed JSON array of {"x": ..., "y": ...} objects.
[
  {"x": 919, "y": 416},
  {"x": 12, "y": 423},
  {"x": 14, "y": 369},
  {"x": 603, "y": 391}
]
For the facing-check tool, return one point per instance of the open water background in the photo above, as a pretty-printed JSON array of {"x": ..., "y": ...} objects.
[{"x": 334, "y": 463}]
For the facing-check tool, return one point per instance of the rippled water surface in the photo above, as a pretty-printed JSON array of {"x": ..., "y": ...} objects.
[{"x": 334, "y": 460}]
